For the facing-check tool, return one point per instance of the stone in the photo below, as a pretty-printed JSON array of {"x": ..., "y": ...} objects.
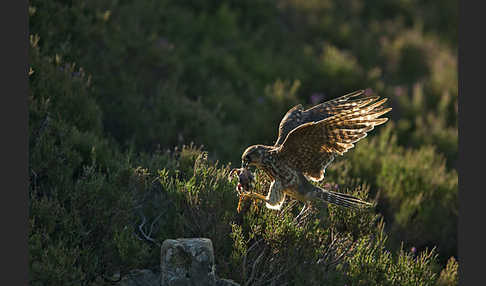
[{"x": 187, "y": 262}]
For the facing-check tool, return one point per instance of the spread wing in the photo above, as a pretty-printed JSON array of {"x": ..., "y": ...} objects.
[
  {"x": 298, "y": 116},
  {"x": 311, "y": 146}
]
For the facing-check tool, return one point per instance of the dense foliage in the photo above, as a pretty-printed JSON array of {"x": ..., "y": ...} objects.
[{"x": 119, "y": 90}]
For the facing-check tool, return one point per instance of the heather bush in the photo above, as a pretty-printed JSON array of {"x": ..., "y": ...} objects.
[
  {"x": 80, "y": 208},
  {"x": 171, "y": 73},
  {"x": 260, "y": 246},
  {"x": 449, "y": 275},
  {"x": 415, "y": 191}
]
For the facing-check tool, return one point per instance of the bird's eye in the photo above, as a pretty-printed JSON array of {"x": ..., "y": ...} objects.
[{"x": 245, "y": 162}]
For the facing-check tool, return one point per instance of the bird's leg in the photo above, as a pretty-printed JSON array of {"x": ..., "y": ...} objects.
[
  {"x": 253, "y": 195},
  {"x": 274, "y": 198},
  {"x": 250, "y": 195}
]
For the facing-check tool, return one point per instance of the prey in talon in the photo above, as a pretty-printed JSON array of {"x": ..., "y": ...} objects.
[{"x": 246, "y": 182}]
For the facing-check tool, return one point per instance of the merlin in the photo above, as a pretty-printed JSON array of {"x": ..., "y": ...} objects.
[{"x": 308, "y": 141}]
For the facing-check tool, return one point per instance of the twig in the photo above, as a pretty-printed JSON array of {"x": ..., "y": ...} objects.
[
  {"x": 253, "y": 268},
  {"x": 145, "y": 236},
  {"x": 246, "y": 255},
  {"x": 301, "y": 212},
  {"x": 289, "y": 206},
  {"x": 155, "y": 220}
]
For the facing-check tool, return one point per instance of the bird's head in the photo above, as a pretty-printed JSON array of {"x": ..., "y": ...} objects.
[{"x": 253, "y": 156}]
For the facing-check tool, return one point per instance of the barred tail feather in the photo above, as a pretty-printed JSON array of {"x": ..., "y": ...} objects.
[{"x": 341, "y": 199}]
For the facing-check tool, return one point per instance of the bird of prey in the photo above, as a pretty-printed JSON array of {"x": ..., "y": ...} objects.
[{"x": 308, "y": 141}]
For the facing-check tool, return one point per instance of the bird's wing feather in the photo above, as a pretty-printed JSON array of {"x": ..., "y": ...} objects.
[
  {"x": 297, "y": 116},
  {"x": 311, "y": 146},
  {"x": 291, "y": 120}
]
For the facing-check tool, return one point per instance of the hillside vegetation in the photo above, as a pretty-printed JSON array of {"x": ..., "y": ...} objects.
[{"x": 138, "y": 110}]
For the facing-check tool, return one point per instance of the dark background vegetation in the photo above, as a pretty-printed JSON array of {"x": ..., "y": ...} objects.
[{"x": 120, "y": 89}]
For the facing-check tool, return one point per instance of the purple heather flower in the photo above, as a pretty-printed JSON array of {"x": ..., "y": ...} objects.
[
  {"x": 368, "y": 91},
  {"x": 399, "y": 91},
  {"x": 330, "y": 186},
  {"x": 316, "y": 98}
]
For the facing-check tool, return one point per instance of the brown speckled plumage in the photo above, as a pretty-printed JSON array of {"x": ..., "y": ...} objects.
[{"x": 307, "y": 143}]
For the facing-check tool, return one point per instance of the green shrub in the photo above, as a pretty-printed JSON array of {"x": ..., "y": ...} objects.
[
  {"x": 324, "y": 245},
  {"x": 372, "y": 264},
  {"x": 449, "y": 275},
  {"x": 415, "y": 191},
  {"x": 80, "y": 209},
  {"x": 422, "y": 195}
]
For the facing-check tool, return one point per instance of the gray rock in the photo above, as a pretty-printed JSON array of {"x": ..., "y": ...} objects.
[{"x": 187, "y": 262}]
